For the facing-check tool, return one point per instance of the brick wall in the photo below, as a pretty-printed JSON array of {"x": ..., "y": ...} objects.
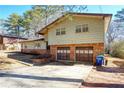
[{"x": 97, "y": 49}]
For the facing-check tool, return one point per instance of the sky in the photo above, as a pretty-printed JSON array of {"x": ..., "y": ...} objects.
[{"x": 6, "y": 10}]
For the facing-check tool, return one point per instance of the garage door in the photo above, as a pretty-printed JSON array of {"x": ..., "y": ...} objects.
[
  {"x": 84, "y": 54},
  {"x": 63, "y": 53}
]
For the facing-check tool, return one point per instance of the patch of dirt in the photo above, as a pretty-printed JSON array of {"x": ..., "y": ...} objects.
[
  {"x": 7, "y": 63},
  {"x": 115, "y": 61},
  {"x": 111, "y": 76}
]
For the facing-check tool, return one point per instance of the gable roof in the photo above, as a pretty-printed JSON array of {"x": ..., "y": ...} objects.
[
  {"x": 31, "y": 40},
  {"x": 78, "y": 14},
  {"x": 9, "y": 36}
]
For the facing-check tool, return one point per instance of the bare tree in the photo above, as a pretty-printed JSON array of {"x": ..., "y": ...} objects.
[
  {"x": 114, "y": 33},
  {"x": 76, "y": 8},
  {"x": 46, "y": 14}
]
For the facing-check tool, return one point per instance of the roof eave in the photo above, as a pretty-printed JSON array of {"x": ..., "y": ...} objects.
[{"x": 90, "y": 14}]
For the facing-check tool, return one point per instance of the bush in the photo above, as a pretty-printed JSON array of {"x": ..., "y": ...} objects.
[{"x": 118, "y": 49}]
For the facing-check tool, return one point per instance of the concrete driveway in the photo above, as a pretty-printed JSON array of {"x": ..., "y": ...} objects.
[{"x": 50, "y": 75}]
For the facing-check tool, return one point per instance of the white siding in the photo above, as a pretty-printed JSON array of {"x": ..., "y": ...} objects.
[
  {"x": 33, "y": 45},
  {"x": 95, "y": 34}
]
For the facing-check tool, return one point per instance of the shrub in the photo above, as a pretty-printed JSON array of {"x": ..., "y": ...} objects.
[{"x": 118, "y": 49}]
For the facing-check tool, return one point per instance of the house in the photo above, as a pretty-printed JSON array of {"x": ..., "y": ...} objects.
[
  {"x": 33, "y": 46},
  {"x": 8, "y": 42},
  {"x": 77, "y": 37}
]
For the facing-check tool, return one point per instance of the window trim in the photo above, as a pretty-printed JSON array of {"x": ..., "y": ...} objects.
[
  {"x": 60, "y": 31},
  {"x": 84, "y": 28},
  {"x": 77, "y": 28},
  {"x": 63, "y": 30}
]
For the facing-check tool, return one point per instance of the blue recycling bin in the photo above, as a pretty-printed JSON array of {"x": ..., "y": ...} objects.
[{"x": 99, "y": 60}]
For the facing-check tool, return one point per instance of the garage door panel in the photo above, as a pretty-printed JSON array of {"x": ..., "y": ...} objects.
[
  {"x": 63, "y": 53},
  {"x": 84, "y": 54}
]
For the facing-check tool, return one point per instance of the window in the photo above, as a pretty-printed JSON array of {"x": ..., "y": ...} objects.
[
  {"x": 78, "y": 29},
  {"x": 60, "y": 31},
  {"x": 57, "y": 31},
  {"x": 85, "y": 28},
  {"x": 82, "y": 28}
]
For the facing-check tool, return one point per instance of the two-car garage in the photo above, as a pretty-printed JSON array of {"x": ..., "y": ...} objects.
[{"x": 81, "y": 54}]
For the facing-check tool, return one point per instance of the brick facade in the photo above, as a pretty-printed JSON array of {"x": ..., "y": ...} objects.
[
  {"x": 35, "y": 51},
  {"x": 97, "y": 49}
]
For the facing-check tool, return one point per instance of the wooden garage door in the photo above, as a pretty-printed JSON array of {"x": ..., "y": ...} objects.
[
  {"x": 63, "y": 53},
  {"x": 84, "y": 54}
]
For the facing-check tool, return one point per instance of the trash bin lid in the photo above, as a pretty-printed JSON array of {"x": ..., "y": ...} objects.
[{"x": 101, "y": 56}]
